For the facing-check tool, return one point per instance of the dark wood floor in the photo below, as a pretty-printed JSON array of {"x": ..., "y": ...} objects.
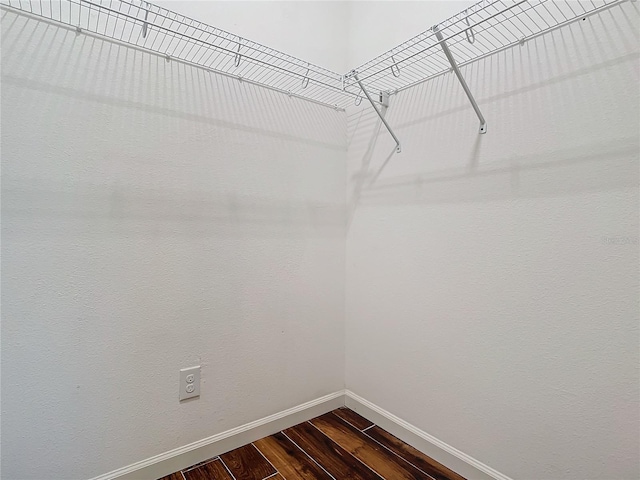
[{"x": 338, "y": 445}]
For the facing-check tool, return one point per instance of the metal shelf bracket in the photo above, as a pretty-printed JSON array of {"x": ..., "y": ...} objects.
[
  {"x": 456, "y": 70},
  {"x": 384, "y": 100}
]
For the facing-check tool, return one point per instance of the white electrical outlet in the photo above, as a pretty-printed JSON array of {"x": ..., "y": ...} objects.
[{"x": 189, "y": 382}]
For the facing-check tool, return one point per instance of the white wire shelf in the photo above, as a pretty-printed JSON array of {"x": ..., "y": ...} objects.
[
  {"x": 175, "y": 36},
  {"x": 484, "y": 28}
]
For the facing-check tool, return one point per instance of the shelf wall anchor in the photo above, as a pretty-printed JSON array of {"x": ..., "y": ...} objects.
[
  {"x": 385, "y": 103},
  {"x": 456, "y": 70}
]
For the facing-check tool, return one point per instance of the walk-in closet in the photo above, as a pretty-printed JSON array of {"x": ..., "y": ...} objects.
[{"x": 327, "y": 240}]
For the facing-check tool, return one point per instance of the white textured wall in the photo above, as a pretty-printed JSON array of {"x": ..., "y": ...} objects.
[
  {"x": 492, "y": 281},
  {"x": 155, "y": 217}
]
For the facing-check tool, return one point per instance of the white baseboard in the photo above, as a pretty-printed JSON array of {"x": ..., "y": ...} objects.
[
  {"x": 440, "y": 451},
  {"x": 183, "y": 457}
]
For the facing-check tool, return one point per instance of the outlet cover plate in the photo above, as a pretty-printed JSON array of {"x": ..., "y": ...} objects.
[{"x": 189, "y": 383}]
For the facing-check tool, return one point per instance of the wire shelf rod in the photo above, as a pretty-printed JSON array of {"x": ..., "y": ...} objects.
[
  {"x": 446, "y": 39},
  {"x": 191, "y": 38},
  {"x": 482, "y": 29},
  {"x": 501, "y": 26},
  {"x": 255, "y": 47},
  {"x": 515, "y": 43},
  {"x": 338, "y": 97},
  {"x": 145, "y": 26}
]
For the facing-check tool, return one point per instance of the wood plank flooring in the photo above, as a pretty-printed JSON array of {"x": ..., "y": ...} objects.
[{"x": 338, "y": 445}]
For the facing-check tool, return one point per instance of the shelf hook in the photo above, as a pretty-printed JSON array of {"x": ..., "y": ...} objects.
[
  {"x": 238, "y": 56},
  {"x": 358, "y": 99},
  {"x": 305, "y": 80},
  {"x": 471, "y": 37},
  {"x": 456, "y": 70},
  {"x": 396, "y": 72},
  {"x": 145, "y": 25}
]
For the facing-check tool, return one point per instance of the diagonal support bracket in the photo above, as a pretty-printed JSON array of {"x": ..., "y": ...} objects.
[
  {"x": 456, "y": 70},
  {"x": 364, "y": 90}
]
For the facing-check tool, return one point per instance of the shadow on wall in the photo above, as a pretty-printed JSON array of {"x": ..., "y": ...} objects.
[
  {"x": 105, "y": 133},
  {"x": 553, "y": 128}
]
